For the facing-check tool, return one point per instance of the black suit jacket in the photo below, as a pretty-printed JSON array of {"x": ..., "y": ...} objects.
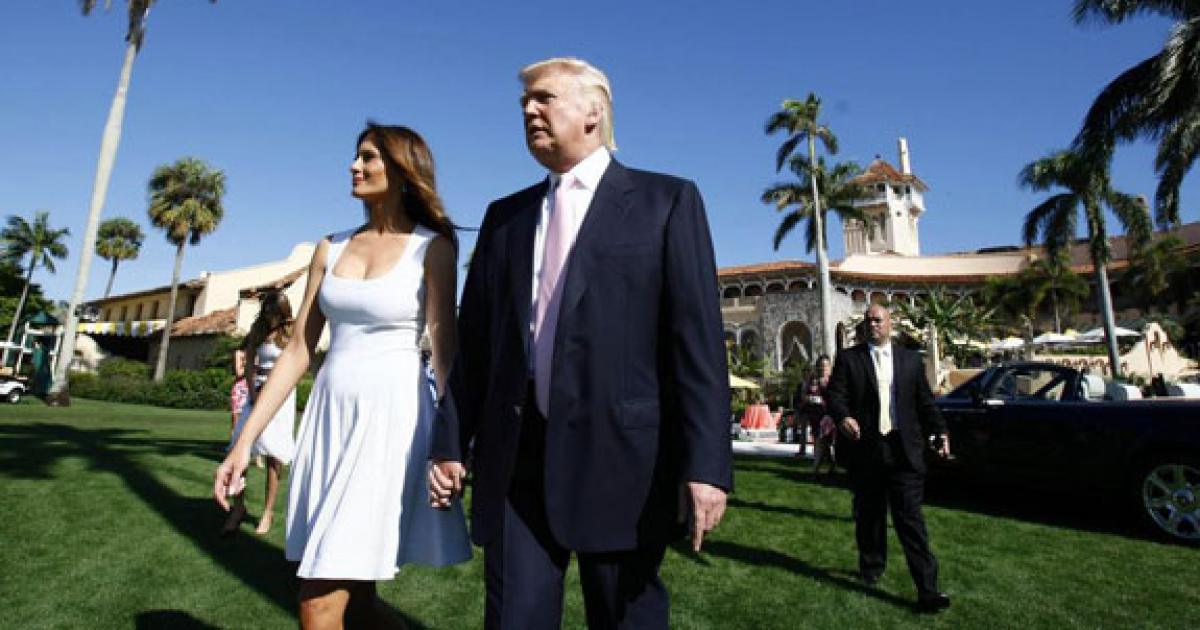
[
  {"x": 853, "y": 392},
  {"x": 639, "y": 395}
]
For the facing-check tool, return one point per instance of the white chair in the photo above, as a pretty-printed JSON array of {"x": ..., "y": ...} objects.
[
  {"x": 1184, "y": 390},
  {"x": 1093, "y": 387},
  {"x": 1122, "y": 391}
]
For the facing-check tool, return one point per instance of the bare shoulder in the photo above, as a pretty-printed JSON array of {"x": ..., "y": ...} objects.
[{"x": 320, "y": 254}]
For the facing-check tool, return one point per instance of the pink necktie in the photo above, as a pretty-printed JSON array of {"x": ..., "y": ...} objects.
[{"x": 557, "y": 250}]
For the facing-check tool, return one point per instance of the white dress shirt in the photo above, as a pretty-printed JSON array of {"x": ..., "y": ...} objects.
[
  {"x": 587, "y": 178},
  {"x": 881, "y": 355}
]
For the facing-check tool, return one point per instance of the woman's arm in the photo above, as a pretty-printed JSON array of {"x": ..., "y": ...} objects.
[
  {"x": 441, "y": 283},
  {"x": 290, "y": 366}
]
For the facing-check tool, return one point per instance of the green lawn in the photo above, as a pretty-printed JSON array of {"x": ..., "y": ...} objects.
[{"x": 107, "y": 523}]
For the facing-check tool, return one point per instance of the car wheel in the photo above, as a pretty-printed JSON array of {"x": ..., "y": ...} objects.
[
  {"x": 1169, "y": 496},
  {"x": 14, "y": 396}
]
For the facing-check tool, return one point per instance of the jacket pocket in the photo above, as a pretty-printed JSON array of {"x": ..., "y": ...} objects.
[{"x": 639, "y": 414}]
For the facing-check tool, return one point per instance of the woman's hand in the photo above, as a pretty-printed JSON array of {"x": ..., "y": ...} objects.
[{"x": 230, "y": 479}]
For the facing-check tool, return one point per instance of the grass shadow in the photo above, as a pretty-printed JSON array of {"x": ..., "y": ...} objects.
[
  {"x": 771, "y": 558},
  {"x": 31, "y": 451}
]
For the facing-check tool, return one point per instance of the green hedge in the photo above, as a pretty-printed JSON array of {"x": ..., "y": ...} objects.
[{"x": 129, "y": 382}]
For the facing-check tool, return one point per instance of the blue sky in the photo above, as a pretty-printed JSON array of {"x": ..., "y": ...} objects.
[{"x": 276, "y": 97}]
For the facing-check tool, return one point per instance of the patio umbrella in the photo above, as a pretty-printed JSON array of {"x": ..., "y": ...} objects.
[
  {"x": 1097, "y": 334},
  {"x": 738, "y": 382},
  {"x": 1010, "y": 343},
  {"x": 1052, "y": 337}
]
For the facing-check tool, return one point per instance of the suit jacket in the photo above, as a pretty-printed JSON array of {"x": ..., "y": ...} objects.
[
  {"x": 853, "y": 392},
  {"x": 639, "y": 395}
]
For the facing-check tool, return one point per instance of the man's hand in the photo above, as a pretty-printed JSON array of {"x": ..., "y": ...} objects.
[
  {"x": 944, "y": 451},
  {"x": 707, "y": 505},
  {"x": 445, "y": 482},
  {"x": 849, "y": 427}
]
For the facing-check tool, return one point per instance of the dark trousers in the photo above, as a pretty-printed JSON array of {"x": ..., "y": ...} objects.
[
  {"x": 892, "y": 482},
  {"x": 524, "y": 566}
]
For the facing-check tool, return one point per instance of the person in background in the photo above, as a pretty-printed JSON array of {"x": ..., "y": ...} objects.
[
  {"x": 815, "y": 410},
  {"x": 268, "y": 336},
  {"x": 239, "y": 394},
  {"x": 881, "y": 402}
]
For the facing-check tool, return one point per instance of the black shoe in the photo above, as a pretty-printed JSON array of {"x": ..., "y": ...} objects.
[
  {"x": 870, "y": 579},
  {"x": 933, "y": 602}
]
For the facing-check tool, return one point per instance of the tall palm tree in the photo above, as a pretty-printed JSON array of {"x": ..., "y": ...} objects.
[
  {"x": 1158, "y": 274},
  {"x": 42, "y": 244},
  {"x": 1088, "y": 191},
  {"x": 838, "y": 192},
  {"x": 119, "y": 239},
  {"x": 799, "y": 119},
  {"x": 185, "y": 202},
  {"x": 138, "y": 11},
  {"x": 1158, "y": 99}
]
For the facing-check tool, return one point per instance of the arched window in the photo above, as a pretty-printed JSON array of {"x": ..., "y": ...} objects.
[{"x": 795, "y": 344}]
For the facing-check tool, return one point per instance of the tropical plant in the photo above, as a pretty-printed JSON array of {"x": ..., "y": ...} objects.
[
  {"x": 1158, "y": 99},
  {"x": 1051, "y": 278},
  {"x": 1088, "y": 191},
  {"x": 42, "y": 244},
  {"x": 185, "y": 202},
  {"x": 119, "y": 239},
  {"x": 1016, "y": 302},
  {"x": 135, "y": 34},
  {"x": 799, "y": 120},
  {"x": 838, "y": 192},
  {"x": 1158, "y": 274},
  {"x": 943, "y": 319}
]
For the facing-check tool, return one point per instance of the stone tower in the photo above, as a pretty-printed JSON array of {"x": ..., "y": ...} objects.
[{"x": 897, "y": 204}]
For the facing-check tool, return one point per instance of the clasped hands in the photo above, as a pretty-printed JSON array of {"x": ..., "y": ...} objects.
[
  {"x": 706, "y": 502},
  {"x": 849, "y": 427}
]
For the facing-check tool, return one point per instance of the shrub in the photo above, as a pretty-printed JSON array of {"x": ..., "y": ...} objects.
[
  {"x": 125, "y": 368},
  {"x": 179, "y": 389}
]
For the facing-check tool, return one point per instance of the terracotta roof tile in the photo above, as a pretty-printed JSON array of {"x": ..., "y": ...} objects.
[
  {"x": 223, "y": 322},
  {"x": 275, "y": 285},
  {"x": 880, "y": 172}
]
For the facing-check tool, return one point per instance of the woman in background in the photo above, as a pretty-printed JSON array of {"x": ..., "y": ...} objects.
[{"x": 269, "y": 335}]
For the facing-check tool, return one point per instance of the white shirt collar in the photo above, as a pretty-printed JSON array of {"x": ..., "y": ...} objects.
[
  {"x": 884, "y": 348},
  {"x": 589, "y": 170}
]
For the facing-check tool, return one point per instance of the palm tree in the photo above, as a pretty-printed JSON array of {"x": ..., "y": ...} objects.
[
  {"x": 1159, "y": 98},
  {"x": 185, "y": 202},
  {"x": 119, "y": 239},
  {"x": 1015, "y": 300},
  {"x": 135, "y": 34},
  {"x": 42, "y": 244},
  {"x": 1051, "y": 278},
  {"x": 1158, "y": 274},
  {"x": 1055, "y": 220},
  {"x": 944, "y": 318},
  {"x": 799, "y": 119},
  {"x": 837, "y": 192}
]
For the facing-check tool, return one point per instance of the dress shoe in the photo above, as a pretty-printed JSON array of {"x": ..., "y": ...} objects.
[{"x": 933, "y": 602}]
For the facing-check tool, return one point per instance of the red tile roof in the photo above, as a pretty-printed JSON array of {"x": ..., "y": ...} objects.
[
  {"x": 275, "y": 285},
  {"x": 223, "y": 322},
  {"x": 880, "y": 172}
]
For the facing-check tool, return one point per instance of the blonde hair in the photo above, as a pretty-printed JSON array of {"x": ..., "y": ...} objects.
[{"x": 592, "y": 82}]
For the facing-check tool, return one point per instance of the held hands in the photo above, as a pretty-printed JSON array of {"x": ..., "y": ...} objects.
[
  {"x": 707, "y": 504},
  {"x": 445, "y": 482},
  {"x": 849, "y": 428},
  {"x": 944, "y": 449},
  {"x": 230, "y": 479}
]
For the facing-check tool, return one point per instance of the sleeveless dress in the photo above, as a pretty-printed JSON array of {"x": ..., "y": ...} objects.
[
  {"x": 358, "y": 505},
  {"x": 278, "y": 439}
]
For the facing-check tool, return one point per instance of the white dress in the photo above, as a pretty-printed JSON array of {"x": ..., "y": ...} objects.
[
  {"x": 278, "y": 438},
  {"x": 358, "y": 506}
]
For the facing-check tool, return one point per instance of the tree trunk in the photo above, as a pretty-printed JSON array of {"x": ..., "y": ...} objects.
[
  {"x": 111, "y": 276},
  {"x": 1106, "y": 311},
  {"x": 1054, "y": 304},
  {"x": 827, "y": 332},
  {"x": 160, "y": 366},
  {"x": 12, "y": 329},
  {"x": 108, "y": 155}
]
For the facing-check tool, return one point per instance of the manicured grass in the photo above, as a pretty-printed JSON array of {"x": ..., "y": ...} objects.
[{"x": 107, "y": 523}]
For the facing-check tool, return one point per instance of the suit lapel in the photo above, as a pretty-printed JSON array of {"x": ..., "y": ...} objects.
[
  {"x": 872, "y": 375},
  {"x": 523, "y": 230},
  {"x": 609, "y": 204}
]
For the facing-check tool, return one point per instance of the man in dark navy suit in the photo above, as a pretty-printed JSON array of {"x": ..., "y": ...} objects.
[
  {"x": 591, "y": 392},
  {"x": 881, "y": 402}
]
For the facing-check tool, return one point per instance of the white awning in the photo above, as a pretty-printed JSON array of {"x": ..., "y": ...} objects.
[{"x": 143, "y": 328}]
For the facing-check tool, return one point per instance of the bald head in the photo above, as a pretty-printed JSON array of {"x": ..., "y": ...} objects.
[{"x": 879, "y": 324}]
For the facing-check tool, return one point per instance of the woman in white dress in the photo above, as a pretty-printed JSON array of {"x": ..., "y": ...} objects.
[
  {"x": 358, "y": 505},
  {"x": 269, "y": 335}
]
